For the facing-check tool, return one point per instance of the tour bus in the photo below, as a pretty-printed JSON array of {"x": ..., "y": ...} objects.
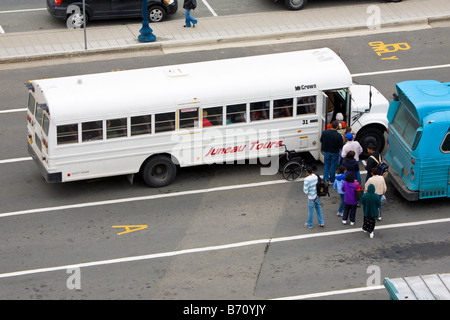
[
  {"x": 153, "y": 120},
  {"x": 418, "y": 139}
]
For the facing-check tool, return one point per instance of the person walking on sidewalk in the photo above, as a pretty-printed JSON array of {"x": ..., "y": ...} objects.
[
  {"x": 370, "y": 201},
  {"x": 332, "y": 143},
  {"x": 310, "y": 189},
  {"x": 189, "y": 5}
]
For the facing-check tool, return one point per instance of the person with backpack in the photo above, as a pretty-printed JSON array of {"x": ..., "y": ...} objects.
[
  {"x": 371, "y": 162},
  {"x": 310, "y": 189},
  {"x": 189, "y": 5},
  {"x": 350, "y": 202}
]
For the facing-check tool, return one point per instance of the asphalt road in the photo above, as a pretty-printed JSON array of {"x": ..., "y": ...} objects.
[{"x": 219, "y": 231}]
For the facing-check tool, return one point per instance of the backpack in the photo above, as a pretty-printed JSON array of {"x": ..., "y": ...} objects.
[
  {"x": 322, "y": 187},
  {"x": 383, "y": 168}
]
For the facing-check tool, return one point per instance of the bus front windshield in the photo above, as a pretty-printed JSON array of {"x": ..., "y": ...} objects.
[{"x": 405, "y": 124}]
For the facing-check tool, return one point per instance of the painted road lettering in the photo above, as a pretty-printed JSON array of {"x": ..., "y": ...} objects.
[
  {"x": 381, "y": 49},
  {"x": 129, "y": 229}
]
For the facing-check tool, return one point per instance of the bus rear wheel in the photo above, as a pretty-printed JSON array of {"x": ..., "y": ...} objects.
[{"x": 159, "y": 171}]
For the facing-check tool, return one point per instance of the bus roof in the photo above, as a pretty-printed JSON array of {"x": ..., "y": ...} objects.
[
  {"x": 426, "y": 96},
  {"x": 166, "y": 88}
]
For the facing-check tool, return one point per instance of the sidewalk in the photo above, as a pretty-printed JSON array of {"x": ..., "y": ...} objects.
[{"x": 15, "y": 47}]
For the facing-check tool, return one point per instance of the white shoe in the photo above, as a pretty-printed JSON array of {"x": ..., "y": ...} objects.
[
  {"x": 352, "y": 223},
  {"x": 344, "y": 221},
  {"x": 371, "y": 235},
  {"x": 339, "y": 214}
]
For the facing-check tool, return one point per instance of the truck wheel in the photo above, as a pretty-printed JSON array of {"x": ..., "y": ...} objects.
[
  {"x": 371, "y": 135},
  {"x": 295, "y": 4},
  {"x": 159, "y": 171}
]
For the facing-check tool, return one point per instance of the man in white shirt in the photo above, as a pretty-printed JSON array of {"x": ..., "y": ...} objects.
[
  {"x": 351, "y": 145},
  {"x": 310, "y": 189}
]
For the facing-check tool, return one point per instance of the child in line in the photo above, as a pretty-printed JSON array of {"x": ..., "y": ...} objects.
[
  {"x": 338, "y": 182},
  {"x": 350, "y": 202}
]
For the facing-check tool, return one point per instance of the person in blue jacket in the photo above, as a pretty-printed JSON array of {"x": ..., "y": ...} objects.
[{"x": 338, "y": 182}]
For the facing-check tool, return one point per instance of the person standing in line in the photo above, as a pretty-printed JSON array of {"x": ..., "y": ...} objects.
[
  {"x": 351, "y": 164},
  {"x": 189, "y": 5},
  {"x": 350, "y": 202},
  {"x": 310, "y": 189},
  {"x": 352, "y": 145},
  {"x": 380, "y": 186},
  {"x": 370, "y": 201},
  {"x": 338, "y": 182},
  {"x": 332, "y": 143},
  {"x": 371, "y": 163}
]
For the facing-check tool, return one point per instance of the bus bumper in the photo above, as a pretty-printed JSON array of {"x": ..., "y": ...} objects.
[
  {"x": 401, "y": 187},
  {"x": 49, "y": 177}
]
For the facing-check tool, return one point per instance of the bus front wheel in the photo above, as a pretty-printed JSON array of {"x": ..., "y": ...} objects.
[
  {"x": 371, "y": 136},
  {"x": 159, "y": 171}
]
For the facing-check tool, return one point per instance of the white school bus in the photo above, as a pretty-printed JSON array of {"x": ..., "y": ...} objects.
[{"x": 153, "y": 120}]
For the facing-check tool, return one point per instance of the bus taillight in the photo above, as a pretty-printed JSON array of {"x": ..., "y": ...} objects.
[
  {"x": 413, "y": 162},
  {"x": 412, "y": 173}
]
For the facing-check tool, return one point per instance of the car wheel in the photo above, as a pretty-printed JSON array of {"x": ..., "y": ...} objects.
[
  {"x": 295, "y": 4},
  {"x": 76, "y": 20},
  {"x": 156, "y": 14}
]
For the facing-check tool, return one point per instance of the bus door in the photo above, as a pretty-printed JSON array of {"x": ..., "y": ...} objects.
[{"x": 189, "y": 148}]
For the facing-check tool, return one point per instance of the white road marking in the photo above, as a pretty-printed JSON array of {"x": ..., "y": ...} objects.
[
  {"x": 330, "y": 293},
  {"x": 23, "y": 10},
  {"x": 1, "y": 29},
  {"x": 15, "y": 160},
  {"x": 400, "y": 70},
  {"x": 225, "y": 247},
  {"x": 13, "y": 110},
  {"x": 209, "y": 8}
]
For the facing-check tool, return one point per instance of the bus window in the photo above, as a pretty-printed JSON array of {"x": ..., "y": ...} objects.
[
  {"x": 67, "y": 134},
  {"x": 259, "y": 110},
  {"x": 141, "y": 125},
  {"x": 405, "y": 124},
  {"x": 445, "y": 146},
  {"x": 164, "y": 122},
  {"x": 188, "y": 118},
  {"x": 31, "y": 103},
  {"x": 236, "y": 113},
  {"x": 306, "y": 105},
  {"x": 92, "y": 130},
  {"x": 282, "y": 108},
  {"x": 38, "y": 115},
  {"x": 212, "y": 116},
  {"x": 45, "y": 124},
  {"x": 116, "y": 128}
]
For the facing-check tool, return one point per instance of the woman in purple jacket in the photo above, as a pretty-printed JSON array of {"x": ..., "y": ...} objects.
[{"x": 350, "y": 202}]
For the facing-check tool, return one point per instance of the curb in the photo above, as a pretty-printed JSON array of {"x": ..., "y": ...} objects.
[{"x": 296, "y": 34}]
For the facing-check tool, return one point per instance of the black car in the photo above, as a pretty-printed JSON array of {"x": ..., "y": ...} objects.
[{"x": 72, "y": 10}]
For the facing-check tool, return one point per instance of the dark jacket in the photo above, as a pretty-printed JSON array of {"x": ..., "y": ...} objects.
[
  {"x": 190, "y": 4},
  {"x": 351, "y": 165},
  {"x": 370, "y": 201},
  {"x": 371, "y": 163},
  {"x": 331, "y": 141}
]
